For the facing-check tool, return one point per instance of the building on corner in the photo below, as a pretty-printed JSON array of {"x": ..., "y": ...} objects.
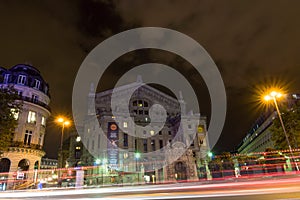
[
  {"x": 25, "y": 152},
  {"x": 129, "y": 162}
]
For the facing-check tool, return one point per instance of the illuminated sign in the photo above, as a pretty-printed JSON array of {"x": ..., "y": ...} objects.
[
  {"x": 112, "y": 145},
  {"x": 200, "y": 129}
]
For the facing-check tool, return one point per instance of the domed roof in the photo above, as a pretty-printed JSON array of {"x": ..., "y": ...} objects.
[
  {"x": 33, "y": 77},
  {"x": 2, "y": 69},
  {"x": 27, "y": 69}
]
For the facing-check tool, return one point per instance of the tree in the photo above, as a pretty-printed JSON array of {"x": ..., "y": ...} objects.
[
  {"x": 10, "y": 107},
  {"x": 291, "y": 120},
  {"x": 222, "y": 165}
]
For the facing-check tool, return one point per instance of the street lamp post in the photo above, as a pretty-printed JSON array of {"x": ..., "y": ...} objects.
[
  {"x": 101, "y": 166},
  {"x": 273, "y": 96},
  {"x": 64, "y": 123},
  {"x": 137, "y": 156},
  {"x": 104, "y": 161},
  {"x": 98, "y": 163}
]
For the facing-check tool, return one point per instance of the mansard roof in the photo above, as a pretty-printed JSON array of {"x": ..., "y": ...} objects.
[
  {"x": 31, "y": 72},
  {"x": 136, "y": 84}
]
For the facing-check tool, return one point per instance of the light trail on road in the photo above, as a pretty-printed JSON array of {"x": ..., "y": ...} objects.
[{"x": 171, "y": 191}]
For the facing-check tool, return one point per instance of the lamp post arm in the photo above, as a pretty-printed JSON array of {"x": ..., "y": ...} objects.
[
  {"x": 285, "y": 133},
  {"x": 62, "y": 136},
  {"x": 282, "y": 124},
  {"x": 61, "y": 145}
]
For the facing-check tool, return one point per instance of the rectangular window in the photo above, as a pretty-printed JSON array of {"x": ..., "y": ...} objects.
[
  {"x": 161, "y": 144},
  {"x": 43, "y": 122},
  {"x": 20, "y": 93},
  {"x": 160, "y": 132},
  {"x": 21, "y": 79},
  {"x": 15, "y": 113},
  {"x": 37, "y": 84},
  {"x": 170, "y": 133},
  {"x": 153, "y": 145},
  {"x": 145, "y": 145},
  {"x": 125, "y": 124},
  {"x": 6, "y": 78},
  {"x": 40, "y": 139},
  {"x": 34, "y": 98},
  {"x": 77, "y": 152},
  {"x": 140, "y": 104},
  {"x": 125, "y": 140},
  {"x": 27, "y": 137},
  {"x": 31, "y": 117},
  {"x": 135, "y": 103}
]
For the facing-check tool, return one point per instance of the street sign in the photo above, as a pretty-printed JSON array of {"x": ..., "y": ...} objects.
[{"x": 20, "y": 175}]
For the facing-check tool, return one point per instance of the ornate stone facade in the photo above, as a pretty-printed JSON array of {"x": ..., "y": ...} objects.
[
  {"x": 25, "y": 153},
  {"x": 192, "y": 145}
]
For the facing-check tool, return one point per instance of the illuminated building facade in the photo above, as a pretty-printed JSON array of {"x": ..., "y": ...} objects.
[
  {"x": 25, "y": 152},
  {"x": 117, "y": 165},
  {"x": 258, "y": 139}
]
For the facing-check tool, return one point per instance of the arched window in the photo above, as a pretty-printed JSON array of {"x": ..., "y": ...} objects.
[
  {"x": 4, "y": 165},
  {"x": 36, "y": 165},
  {"x": 23, "y": 165}
]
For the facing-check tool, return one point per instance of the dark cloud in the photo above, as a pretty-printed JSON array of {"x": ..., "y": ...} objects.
[
  {"x": 53, "y": 36},
  {"x": 251, "y": 41}
]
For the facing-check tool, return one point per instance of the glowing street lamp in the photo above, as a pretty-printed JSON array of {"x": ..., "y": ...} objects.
[
  {"x": 63, "y": 122},
  {"x": 274, "y": 95}
]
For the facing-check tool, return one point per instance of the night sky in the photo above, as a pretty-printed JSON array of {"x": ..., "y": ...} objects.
[{"x": 253, "y": 42}]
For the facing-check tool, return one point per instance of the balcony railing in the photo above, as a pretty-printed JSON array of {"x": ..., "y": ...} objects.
[
  {"x": 22, "y": 145},
  {"x": 28, "y": 99}
]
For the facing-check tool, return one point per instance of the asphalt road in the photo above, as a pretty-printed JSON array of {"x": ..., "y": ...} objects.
[{"x": 278, "y": 189}]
